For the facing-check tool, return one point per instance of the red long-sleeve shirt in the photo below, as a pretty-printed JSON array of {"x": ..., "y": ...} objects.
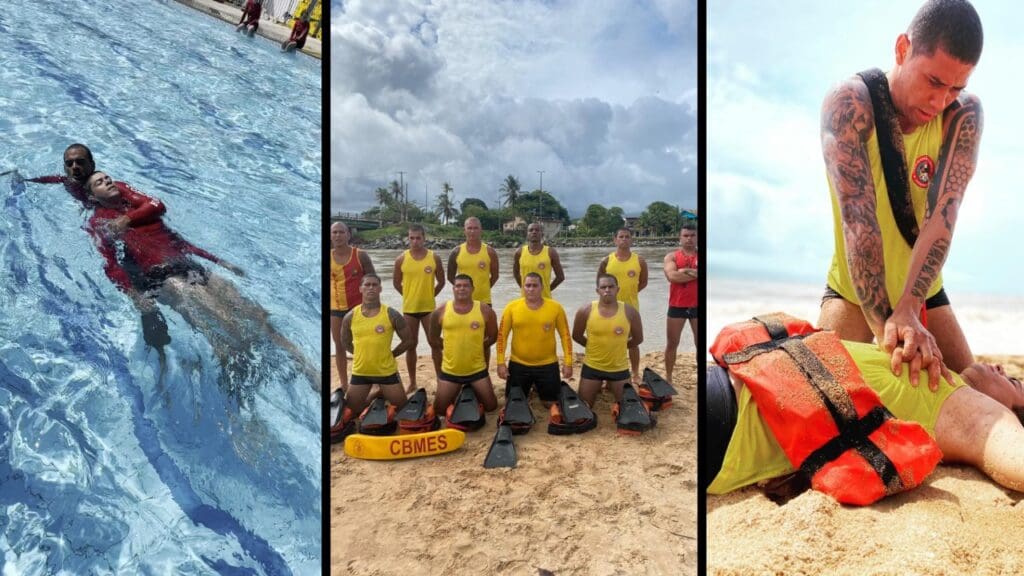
[
  {"x": 147, "y": 242},
  {"x": 251, "y": 14},
  {"x": 299, "y": 32}
]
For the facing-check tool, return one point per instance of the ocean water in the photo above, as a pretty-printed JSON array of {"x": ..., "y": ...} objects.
[
  {"x": 104, "y": 468},
  {"x": 991, "y": 322}
]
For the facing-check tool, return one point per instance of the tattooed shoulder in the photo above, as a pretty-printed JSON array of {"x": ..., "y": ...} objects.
[{"x": 847, "y": 110}]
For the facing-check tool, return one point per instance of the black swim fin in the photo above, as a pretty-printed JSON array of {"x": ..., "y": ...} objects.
[
  {"x": 658, "y": 385},
  {"x": 503, "y": 451},
  {"x": 633, "y": 415},
  {"x": 517, "y": 412},
  {"x": 339, "y": 428},
  {"x": 573, "y": 409},
  {"x": 466, "y": 413},
  {"x": 378, "y": 419},
  {"x": 415, "y": 407}
]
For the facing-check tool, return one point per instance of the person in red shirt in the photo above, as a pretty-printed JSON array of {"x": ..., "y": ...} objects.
[
  {"x": 681, "y": 273},
  {"x": 250, "y": 20},
  {"x": 299, "y": 32},
  {"x": 151, "y": 263},
  {"x": 78, "y": 165}
]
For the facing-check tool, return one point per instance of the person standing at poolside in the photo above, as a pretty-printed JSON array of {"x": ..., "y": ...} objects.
[
  {"x": 893, "y": 225},
  {"x": 681, "y": 273},
  {"x": 533, "y": 321},
  {"x": 537, "y": 257},
  {"x": 419, "y": 278},
  {"x": 630, "y": 272},
  {"x": 348, "y": 265},
  {"x": 368, "y": 332},
  {"x": 606, "y": 328},
  {"x": 461, "y": 331}
]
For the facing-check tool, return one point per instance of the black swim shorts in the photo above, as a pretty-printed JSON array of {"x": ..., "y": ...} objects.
[
  {"x": 592, "y": 374},
  {"x": 153, "y": 278},
  {"x": 339, "y": 313},
  {"x": 679, "y": 312},
  {"x": 462, "y": 380},
  {"x": 939, "y": 299},
  {"x": 546, "y": 377},
  {"x": 417, "y": 314},
  {"x": 371, "y": 380}
]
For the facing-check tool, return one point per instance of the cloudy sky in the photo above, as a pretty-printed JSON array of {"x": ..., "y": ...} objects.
[
  {"x": 769, "y": 67},
  {"x": 599, "y": 94}
]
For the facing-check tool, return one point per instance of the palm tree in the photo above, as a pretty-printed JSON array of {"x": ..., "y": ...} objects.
[
  {"x": 446, "y": 204},
  {"x": 396, "y": 191},
  {"x": 383, "y": 198},
  {"x": 510, "y": 191}
]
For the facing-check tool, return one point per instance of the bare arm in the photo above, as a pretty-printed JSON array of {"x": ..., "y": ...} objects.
[
  {"x": 515, "y": 266},
  {"x": 434, "y": 333},
  {"x": 402, "y": 329},
  {"x": 397, "y": 275},
  {"x": 677, "y": 275},
  {"x": 643, "y": 273},
  {"x": 556, "y": 266},
  {"x": 636, "y": 327},
  {"x": 346, "y": 333},
  {"x": 602, "y": 268},
  {"x": 494, "y": 265},
  {"x": 364, "y": 259},
  {"x": 438, "y": 275},
  {"x": 453, "y": 265},
  {"x": 847, "y": 121},
  {"x": 490, "y": 326},
  {"x": 579, "y": 324}
]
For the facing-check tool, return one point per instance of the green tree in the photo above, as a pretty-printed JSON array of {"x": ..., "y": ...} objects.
[
  {"x": 446, "y": 209},
  {"x": 510, "y": 191},
  {"x": 472, "y": 202},
  {"x": 539, "y": 204},
  {"x": 600, "y": 221},
  {"x": 660, "y": 218}
]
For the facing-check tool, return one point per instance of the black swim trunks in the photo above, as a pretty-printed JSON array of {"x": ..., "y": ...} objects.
[
  {"x": 339, "y": 313},
  {"x": 939, "y": 299},
  {"x": 371, "y": 380},
  {"x": 592, "y": 374},
  {"x": 152, "y": 279},
  {"x": 546, "y": 378},
  {"x": 462, "y": 380},
  {"x": 679, "y": 312}
]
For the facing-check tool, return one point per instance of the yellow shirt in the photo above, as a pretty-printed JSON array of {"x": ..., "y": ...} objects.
[
  {"x": 533, "y": 343},
  {"x": 921, "y": 156},
  {"x": 540, "y": 263},
  {"x": 463, "y": 335},
  {"x": 478, "y": 267},
  {"x": 371, "y": 343},
  {"x": 418, "y": 283},
  {"x": 628, "y": 275},
  {"x": 753, "y": 454},
  {"x": 607, "y": 340}
]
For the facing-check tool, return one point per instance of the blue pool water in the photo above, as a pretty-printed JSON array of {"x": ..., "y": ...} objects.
[{"x": 103, "y": 469}]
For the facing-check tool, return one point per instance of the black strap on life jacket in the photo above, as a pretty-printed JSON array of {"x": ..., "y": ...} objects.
[
  {"x": 853, "y": 431},
  {"x": 890, "y": 148}
]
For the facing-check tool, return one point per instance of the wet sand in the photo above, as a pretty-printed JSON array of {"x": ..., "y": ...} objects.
[
  {"x": 586, "y": 505},
  {"x": 957, "y": 522}
]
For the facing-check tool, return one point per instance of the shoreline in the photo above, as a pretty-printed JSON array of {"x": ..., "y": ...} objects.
[{"x": 399, "y": 243}]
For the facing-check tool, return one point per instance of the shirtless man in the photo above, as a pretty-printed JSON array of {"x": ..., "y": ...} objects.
[{"x": 419, "y": 278}]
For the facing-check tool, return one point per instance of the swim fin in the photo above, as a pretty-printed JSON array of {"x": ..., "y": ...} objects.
[
  {"x": 378, "y": 419},
  {"x": 417, "y": 415},
  {"x": 467, "y": 413},
  {"x": 655, "y": 392},
  {"x": 570, "y": 415},
  {"x": 516, "y": 412},
  {"x": 342, "y": 423},
  {"x": 631, "y": 415},
  {"x": 503, "y": 451}
]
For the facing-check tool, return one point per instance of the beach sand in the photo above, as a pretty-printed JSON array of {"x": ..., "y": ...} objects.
[
  {"x": 587, "y": 505},
  {"x": 957, "y": 522}
]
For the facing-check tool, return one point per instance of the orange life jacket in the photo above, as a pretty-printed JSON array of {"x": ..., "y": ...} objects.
[{"x": 831, "y": 425}]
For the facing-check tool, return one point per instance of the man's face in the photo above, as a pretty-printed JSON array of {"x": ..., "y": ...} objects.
[
  {"x": 472, "y": 229},
  {"x": 532, "y": 288},
  {"x": 535, "y": 233},
  {"x": 415, "y": 239},
  {"x": 370, "y": 289},
  {"x": 339, "y": 235},
  {"x": 623, "y": 239},
  {"x": 688, "y": 239},
  {"x": 922, "y": 86},
  {"x": 463, "y": 289},
  {"x": 102, "y": 187},
  {"x": 607, "y": 290},
  {"x": 77, "y": 165}
]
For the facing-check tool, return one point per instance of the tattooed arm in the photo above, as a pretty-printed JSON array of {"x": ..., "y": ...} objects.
[{"x": 847, "y": 121}]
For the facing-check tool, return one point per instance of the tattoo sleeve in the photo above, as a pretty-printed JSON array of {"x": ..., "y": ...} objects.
[{"x": 846, "y": 124}]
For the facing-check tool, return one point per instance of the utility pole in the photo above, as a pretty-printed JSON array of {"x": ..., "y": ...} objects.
[
  {"x": 536, "y": 207},
  {"x": 401, "y": 190}
]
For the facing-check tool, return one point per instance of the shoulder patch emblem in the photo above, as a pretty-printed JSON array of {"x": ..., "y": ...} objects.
[{"x": 924, "y": 167}]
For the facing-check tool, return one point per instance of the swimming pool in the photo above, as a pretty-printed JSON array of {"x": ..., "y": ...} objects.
[{"x": 101, "y": 469}]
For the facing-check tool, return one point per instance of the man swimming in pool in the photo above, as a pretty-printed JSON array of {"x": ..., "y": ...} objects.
[{"x": 151, "y": 263}]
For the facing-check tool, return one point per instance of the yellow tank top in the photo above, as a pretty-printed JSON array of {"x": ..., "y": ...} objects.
[
  {"x": 541, "y": 264},
  {"x": 607, "y": 340},
  {"x": 418, "y": 283},
  {"x": 753, "y": 453},
  {"x": 371, "y": 342},
  {"x": 463, "y": 336},
  {"x": 628, "y": 275},
  {"x": 478, "y": 267},
  {"x": 922, "y": 149},
  {"x": 533, "y": 343}
]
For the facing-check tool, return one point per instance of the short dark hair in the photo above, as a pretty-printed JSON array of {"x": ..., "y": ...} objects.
[
  {"x": 624, "y": 229},
  {"x": 462, "y": 277},
  {"x": 82, "y": 147},
  {"x": 418, "y": 228},
  {"x": 952, "y": 25},
  {"x": 536, "y": 275},
  {"x": 600, "y": 276},
  {"x": 689, "y": 226},
  {"x": 370, "y": 275}
]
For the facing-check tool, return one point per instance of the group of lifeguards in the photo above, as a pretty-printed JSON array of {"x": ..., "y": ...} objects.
[{"x": 461, "y": 331}]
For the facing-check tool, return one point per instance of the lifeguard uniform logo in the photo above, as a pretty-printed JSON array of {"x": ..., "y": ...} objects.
[
  {"x": 474, "y": 325},
  {"x": 631, "y": 273},
  {"x": 379, "y": 329},
  {"x": 924, "y": 167},
  {"x": 428, "y": 270},
  {"x": 541, "y": 265},
  {"x": 481, "y": 265},
  {"x": 547, "y": 326},
  {"x": 619, "y": 330}
]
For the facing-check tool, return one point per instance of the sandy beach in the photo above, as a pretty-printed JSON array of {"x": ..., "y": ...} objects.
[
  {"x": 586, "y": 505},
  {"x": 957, "y": 522}
]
